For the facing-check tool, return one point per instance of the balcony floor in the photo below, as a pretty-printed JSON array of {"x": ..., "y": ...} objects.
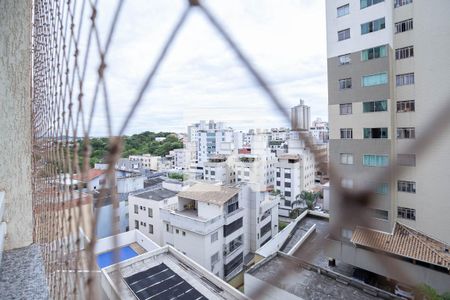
[{"x": 22, "y": 274}]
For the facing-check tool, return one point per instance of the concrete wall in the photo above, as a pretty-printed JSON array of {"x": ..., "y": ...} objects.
[
  {"x": 255, "y": 286},
  {"x": 15, "y": 120}
]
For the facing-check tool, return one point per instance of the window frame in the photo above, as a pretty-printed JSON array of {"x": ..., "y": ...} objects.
[
  {"x": 344, "y": 83},
  {"x": 373, "y": 26},
  {"x": 346, "y": 158},
  {"x": 404, "y": 52},
  {"x": 345, "y": 133},
  {"x": 383, "y": 80},
  {"x": 344, "y": 34},
  {"x": 403, "y": 26},
  {"x": 373, "y": 105},
  {"x": 406, "y": 103},
  {"x": 342, "y": 8},
  {"x": 345, "y": 109}
]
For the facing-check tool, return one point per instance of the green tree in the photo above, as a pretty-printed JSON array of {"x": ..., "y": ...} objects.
[{"x": 307, "y": 198}]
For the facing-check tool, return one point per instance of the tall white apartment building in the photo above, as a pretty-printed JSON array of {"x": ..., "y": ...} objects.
[
  {"x": 258, "y": 167},
  {"x": 320, "y": 131},
  {"x": 210, "y": 138},
  {"x": 207, "y": 225},
  {"x": 301, "y": 116},
  {"x": 388, "y": 78},
  {"x": 295, "y": 172},
  {"x": 144, "y": 211}
]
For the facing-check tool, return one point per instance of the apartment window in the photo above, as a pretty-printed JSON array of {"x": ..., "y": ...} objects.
[
  {"x": 287, "y": 193},
  {"x": 177, "y": 231},
  {"x": 344, "y": 34},
  {"x": 373, "y": 26},
  {"x": 287, "y": 184},
  {"x": 167, "y": 227},
  {"x": 398, "y": 3},
  {"x": 214, "y": 258},
  {"x": 380, "y": 214},
  {"x": 233, "y": 264},
  {"x": 367, "y": 3},
  {"x": 232, "y": 227},
  {"x": 345, "y": 59},
  {"x": 375, "y": 106},
  {"x": 375, "y": 52},
  {"x": 404, "y": 26},
  {"x": 406, "y": 133},
  {"x": 382, "y": 189},
  {"x": 343, "y": 10},
  {"x": 407, "y": 160},
  {"x": 405, "y": 52},
  {"x": 404, "y": 79},
  {"x": 376, "y": 133},
  {"x": 150, "y": 212},
  {"x": 184, "y": 233},
  {"x": 233, "y": 204},
  {"x": 406, "y": 106},
  {"x": 265, "y": 229},
  {"x": 150, "y": 228},
  {"x": 374, "y": 79},
  {"x": 206, "y": 172},
  {"x": 346, "y": 158},
  {"x": 406, "y": 186},
  {"x": 136, "y": 224},
  {"x": 370, "y": 160},
  {"x": 406, "y": 213},
  {"x": 346, "y": 133},
  {"x": 347, "y": 183},
  {"x": 345, "y": 109},
  {"x": 214, "y": 237},
  {"x": 136, "y": 209},
  {"x": 287, "y": 175},
  {"x": 345, "y": 83}
]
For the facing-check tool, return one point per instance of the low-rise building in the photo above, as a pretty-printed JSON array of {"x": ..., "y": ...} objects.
[
  {"x": 206, "y": 224},
  {"x": 147, "y": 161},
  {"x": 219, "y": 169},
  {"x": 144, "y": 211}
]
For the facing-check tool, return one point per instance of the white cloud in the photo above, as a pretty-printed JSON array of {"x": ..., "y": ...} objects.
[{"x": 201, "y": 77}]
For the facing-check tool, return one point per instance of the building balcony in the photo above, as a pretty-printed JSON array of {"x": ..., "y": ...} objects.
[{"x": 189, "y": 220}]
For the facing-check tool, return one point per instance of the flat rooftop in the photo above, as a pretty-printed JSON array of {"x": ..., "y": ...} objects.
[
  {"x": 165, "y": 273},
  {"x": 157, "y": 194},
  {"x": 210, "y": 193},
  {"x": 295, "y": 277}
]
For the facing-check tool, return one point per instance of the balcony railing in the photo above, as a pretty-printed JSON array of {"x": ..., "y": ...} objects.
[{"x": 191, "y": 223}]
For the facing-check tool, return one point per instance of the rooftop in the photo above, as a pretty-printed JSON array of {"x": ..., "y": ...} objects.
[
  {"x": 152, "y": 181},
  {"x": 405, "y": 241},
  {"x": 157, "y": 194},
  {"x": 166, "y": 273},
  {"x": 90, "y": 174},
  {"x": 210, "y": 193},
  {"x": 305, "y": 281}
]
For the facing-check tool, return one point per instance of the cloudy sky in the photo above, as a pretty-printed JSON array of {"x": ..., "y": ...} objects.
[{"x": 201, "y": 78}]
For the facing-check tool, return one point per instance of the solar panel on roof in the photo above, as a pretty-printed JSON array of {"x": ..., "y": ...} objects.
[{"x": 161, "y": 283}]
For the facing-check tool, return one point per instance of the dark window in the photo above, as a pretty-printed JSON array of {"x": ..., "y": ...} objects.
[
  {"x": 232, "y": 265},
  {"x": 232, "y": 227},
  {"x": 136, "y": 224},
  {"x": 374, "y": 106},
  {"x": 406, "y": 213},
  {"x": 373, "y": 26},
  {"x": 406, "y": 106},
  {"x": 404, "y": 52},
  {"x": 287, "y": 194},
  {"x": 367, "y": 3},
  {"x": 404, "y": 26},
  {"x": 376, "y": 133},
  {"x": 287, "y": 184},
  {"x": 287, "y": 175},
  {"x": 344, "y": 34},
  {"x": 233, "y": 204},
  {"x": 266, "y": 228},
  {"x": 345, "y": 83}
]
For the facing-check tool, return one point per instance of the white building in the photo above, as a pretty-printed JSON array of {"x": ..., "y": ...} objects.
[
  {"x": 207, "y": 225},
  {"x": 219, "y": 168},
  {"x": 181, "y": 159},
  {"x": 147, "y": 161},
  {"x": 300, "y": 116},
  {"x": 320, "y": 131},
  {"x": 144, "y": 211},
  {"x": 258, "y": 167}
]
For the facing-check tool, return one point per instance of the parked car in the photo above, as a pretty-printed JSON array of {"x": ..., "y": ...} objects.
[{"x": 404, "y": 291}]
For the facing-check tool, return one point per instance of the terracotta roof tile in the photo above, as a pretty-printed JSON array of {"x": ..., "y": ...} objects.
[{"x": 91, "y": 174}]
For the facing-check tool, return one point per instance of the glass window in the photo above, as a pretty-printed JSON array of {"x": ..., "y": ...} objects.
[
  {"x": 150, "y": 212},
  {"x": 375, "y": 106},
  {"x": 404, "y": 26},
  {"x": 406, "y": 106},
  {"x": 214, "y": 237},
  {"x": 373, "y": 26},
  {"x": 345, "y": 59},
  {"x": 370, "y": 160},
  {"x": 406, "y": 133},
  {"x": 405, "y": 79},
  {"x": 398, "y": 3},
  {"x": 367, "y": 3},
  {"x": 405, "y": 52},
  {"x": 380, "y": 214},
  {"x": 344, "y": 34},
  {"x": 136, "y": 209},
  {"x": 406, "y": 186},
  {"x": 150, "y": 228},
  {"x": 343, "y": 10},
  {"x": 376, "y": 133},
  {"x": 214, "y": 258},
  {"x": 375, "y": 52},
  {"x": 346, "y": 158},
  {"x": 345, "y": 83},
  {"x": 346, "y": 133},
  {"x": 345, "y": 109},
  {"x": 375, "y": 79},
  {"x": 406, "y": 213}
]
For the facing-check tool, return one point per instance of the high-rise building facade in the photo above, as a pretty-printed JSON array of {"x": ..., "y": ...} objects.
[
  {"x": 388, "y": 78},
  {"x": 300, "y": 116}
]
